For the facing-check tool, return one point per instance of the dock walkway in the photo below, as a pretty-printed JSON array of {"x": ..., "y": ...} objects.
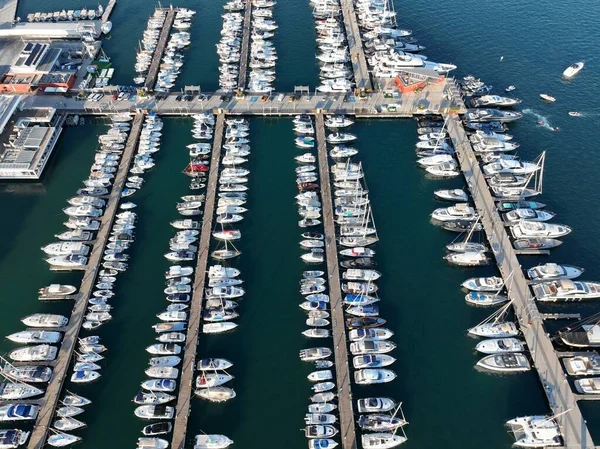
[
  {"x": 189, "y": 357},
  {"x": 355, "y": 45},
  {"x": 49, "y": 402},
  {"x": 560, "y": 397},
  {"x": 245, "y": 50},
  {"x": 342, "y": 370},
  {"x": 108, "y": 11},
  {"x": 160, "y": 49}
]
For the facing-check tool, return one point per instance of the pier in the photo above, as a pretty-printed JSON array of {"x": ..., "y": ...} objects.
[
  {"x": 160, "y": 49},
  {"x": 340, "y": 349},
  {"x": 245, "y": 46},
  {"x": 108, "y": 11},
  {"x": 560, "y": 397},
  {"x": 50, "y": 400},
  {"x": 355, "y": 45},
  {"x": 182, "y": 410}
]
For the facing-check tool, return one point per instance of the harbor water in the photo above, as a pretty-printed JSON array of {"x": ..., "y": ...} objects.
[{"x": 446, "y": 401}]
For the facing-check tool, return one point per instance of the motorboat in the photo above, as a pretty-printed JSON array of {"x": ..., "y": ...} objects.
[
  {"x": 67, "y": 424},
  {"x": 548, "y": 98},
  {"x": 213, "y": 364},
  {"x": 364, "y": 322},
  {"x": 18, "y": 412},
  {"x": 491, "y": 115},
  {"x": 446, "y": 170},
  {"x": 313, "y": 354},
  {"x": 566, "y": 290},
  {"x": 500, "y": 345},
  {"x": 381, "y": 440},
  {"x": 535, "y": 431},
  {"x": 468, "y": 258},
  {"x": 211, "y": 380},
  {"x": 217, "y": 328},
  {"x": 165, "y": 361},
  {"x": 38, "y": 353},
  {"x": 583, "y": 365},
  {"x": 527, "y": 214},
  {"x": 373, "y": 376},
  {"x": 153, "y": 398},
  {"x": 320, "y": 431},
  {"x": 372, "y": 334},
  {"x": 494, "y": 101},
  {"x": 553, "y": 271},
  {"x": 484, "y": 284},
  {"x": 84, "y": 376},
  {"x": 371, "y": 347},
  {"x": 216, "y": 394},
  {"x": 164, "y": 349},
  {"x": 12, "y": 438},
  {"x": 152, "y": 443},
  {"x": 372, "y": 361},
  {"x": 322, "y": 443},
  {"x": 28, "y": 374},
  {"x": 155, "y": 412},
  {"x": 35, "y": 337},
  {"x": 536, "y": 243},
  {"x": 573, "y": 70},
  {"x": 495, "y": 329},
  {"x": 531, "y": 229},
  {"x": 56, "y": 291},
  {"x": 460, "y": 211},
  {"x": 212, "y": 442},
  {"x": 320, "y": 418},
  {"x": 159, "y": 428},
  {"x": 506, "y": 363},
  {"x": 457, "y": 195},
  {"x": 376, "y": 405},
  {"x": 484, "y": 299}
]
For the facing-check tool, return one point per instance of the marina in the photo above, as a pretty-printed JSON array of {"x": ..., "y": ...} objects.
[{"x": 496, "y": 218}]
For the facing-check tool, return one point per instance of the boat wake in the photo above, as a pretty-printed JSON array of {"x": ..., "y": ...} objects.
[{"x": 541, "y": 120}]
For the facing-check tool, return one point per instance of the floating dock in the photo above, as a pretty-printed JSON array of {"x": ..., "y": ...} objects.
[
  {"x": 340, "y": 349},
  {"x": 50, "y": 400},
  {"x": 560, "y": 397},
  {"x": 245, "y": 46},
  {"x": 355, "y": 45},
  {"x": 160, "y": 49},
  {"x": 191, "y": 343}
]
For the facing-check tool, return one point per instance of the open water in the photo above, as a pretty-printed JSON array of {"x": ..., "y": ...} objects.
[{"x": 447, "y": 402}]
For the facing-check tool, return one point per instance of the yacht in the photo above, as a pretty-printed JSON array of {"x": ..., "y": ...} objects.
[
  {"x": 484, "y": 284},
  {"x": 500, "y": 345},
  {"x": 510, "y": 166},
  {"x": 588, "y": 386},
  {"x": 28, "y": 374},
  {"x": 584, "y": 365},
  {"x": 491, "y": 115},
  {"x": 313, "y": 354},
  {"x": 372, "y": 361},
  {"x": 447, "y": 170},
  {"x": 159, "y": 428},
  {"x": 494, "y": 101},
  {"x": 583, "y": 336},
  {"x": 536, "y": 243},
  {"x": 535, "y": 431},
  {"x": 56, "y": 291},
  {"x": 573, "y": 70},
  {"x": 11, "y": 391},
  {"x": 154, "y": 412},
  {"x": 553, "y": 271},
  {"x": 468, "y": 258},
  {"x": 320, "y": 431},
  {"x": 61, "y": 439},
  {"x": 376, "y": 405},
  {"x": 68, "y": 262},
  {"x": 495, "y": 329},
  {"x": 460, "y": 211},
  {"x": 371, "y": 334},
  {"x": 566, "y": 290},
  {"x": 216, "y": 394},
  {"x": 153, "y": 398},
  {"x": 371, "y": 347},
  {"x": 528, "y": 229},
  {"x": 152, "y": 443},
  {"x": 527, "y": 214}
]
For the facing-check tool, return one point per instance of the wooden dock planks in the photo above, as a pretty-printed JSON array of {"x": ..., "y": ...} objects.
[
  {"x": 355, "y": 45},
  {"x": 49, "y": 402},
  {"x": 560, "y": 397},
  {"x": 186, "y": 383},
  {"x": 342, "y": 370}
]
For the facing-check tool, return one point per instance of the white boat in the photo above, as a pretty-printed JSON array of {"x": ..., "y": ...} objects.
[
  {"x": 381, "y": 440},
  {"x": 372, "y": 376},
  {"x": 371, "y": 347},
  {"x": 35, "y": 337},
  {"x": 566, "y": 290},
  {"x": 506, "y": 363},
  {"x": 152, "y": 443},
  {"x": 66, "y": 424},
  {"x": 447, "y": 170},
  {"x": 38, "y": 353},
  {"x": 155, "y": 412},
  {"x": 28, "y": 374},
  {"x": 375, "y": 405},
  {"x": 553, "y": 271},
  {"x": 495, "y": 329},
  {"x": 217, "y": 328},
  {"x": 371, "y": 334},
  {"x": 84, "y": 376},
  {"x": 467, "y": 258},
  {"x": 18, "y": 412},
  {"x": 535, "y": 431},
  {"x": 500, "y": 345},
  {"x": 527, "y": 229},
  {"x": 584, "y": 365},
  {"x": 485, "y": 299},
  {"x": 212, "y": 442},
  {"x": 484, "y": 284},
  {"x": 216, "y": 394},
  {"x": 372, "y": 361},
  {"x": 573, "y": 70},
  {"x": 61, "y": 439},
  {"x": 11, "y": 391},
  {"x": 211, "y": 380},
  {"x": 56, "y": 291}
]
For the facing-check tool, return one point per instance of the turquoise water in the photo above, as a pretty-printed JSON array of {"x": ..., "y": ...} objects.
[{"x": 446, "y": 401}]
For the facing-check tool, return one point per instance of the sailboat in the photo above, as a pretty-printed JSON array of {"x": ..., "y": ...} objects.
[
  {"x": 496, "y": 325},
  {"x": 466, "y": 245},
  {"x": 521, "y": 192}
]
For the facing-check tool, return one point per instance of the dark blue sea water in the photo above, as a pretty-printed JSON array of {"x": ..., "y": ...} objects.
[{"x": 446, "y": 401}]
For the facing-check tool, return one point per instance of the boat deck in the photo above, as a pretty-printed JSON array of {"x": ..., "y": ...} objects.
[
  {"x": 69, "y": 343},
  {"x": 560, "y": 397},
  {"x": 245, "y": 50},
  {"x": 160, "y": 49},
  {"x": 340, "y": 349},
  {"x": 191, "y": 343},
  {"x": 355, "y": 45}
]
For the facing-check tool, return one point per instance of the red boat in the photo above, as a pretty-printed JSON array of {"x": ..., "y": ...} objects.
[
  {"x": 304, "y": 186},
  {"x": 193, "y": 169}
]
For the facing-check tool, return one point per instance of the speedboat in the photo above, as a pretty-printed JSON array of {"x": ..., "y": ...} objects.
[
  {"x": 460, "y": 211},
  {"x": 457, "y": 195},
  {"x": 12, "y": 438},
  {"x": 152, "y": 443},
  {"x": 527, "y": 214},
  {"x": 548, "y": 98},
  {"x": 212, "y": 442},
  {"x": 511, "y": 362},
  {"x": 372, "y": 361},
  {"x": 376, "y": 405},
  {"x": 381, "y": 440},
  {"x": 495, "y": 329},
  {"x": 526, "y": 229},
  {"x": 155, "y": 412},
  {"x": 28, "y": 374},
  {"x": 371, "y": 347},
  {"x": 35, "y": 337},
  {"x": 484, "y": 299},
  {"x": 84, "y": 376},
  {"x": 18, "y": 412},
  {"x": 372, "y": 376},
  {"x": 553, "y": 271},
  {"x": 573, "y": 70},
  {"x": 312, "y": 354},
  {"x": 153, "y": 398},
  {"x": 584, "y": 365},
  {"x": 468, "y": 258},
  {"x": 159, "y": 428},
  {"x": 372, "y": 334},
  {"x": 216, "y": 394},
  {"x": 320, "y": 431},
  {"x": 14, "y": 391},
  {"x": 500, "y": 345}
]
